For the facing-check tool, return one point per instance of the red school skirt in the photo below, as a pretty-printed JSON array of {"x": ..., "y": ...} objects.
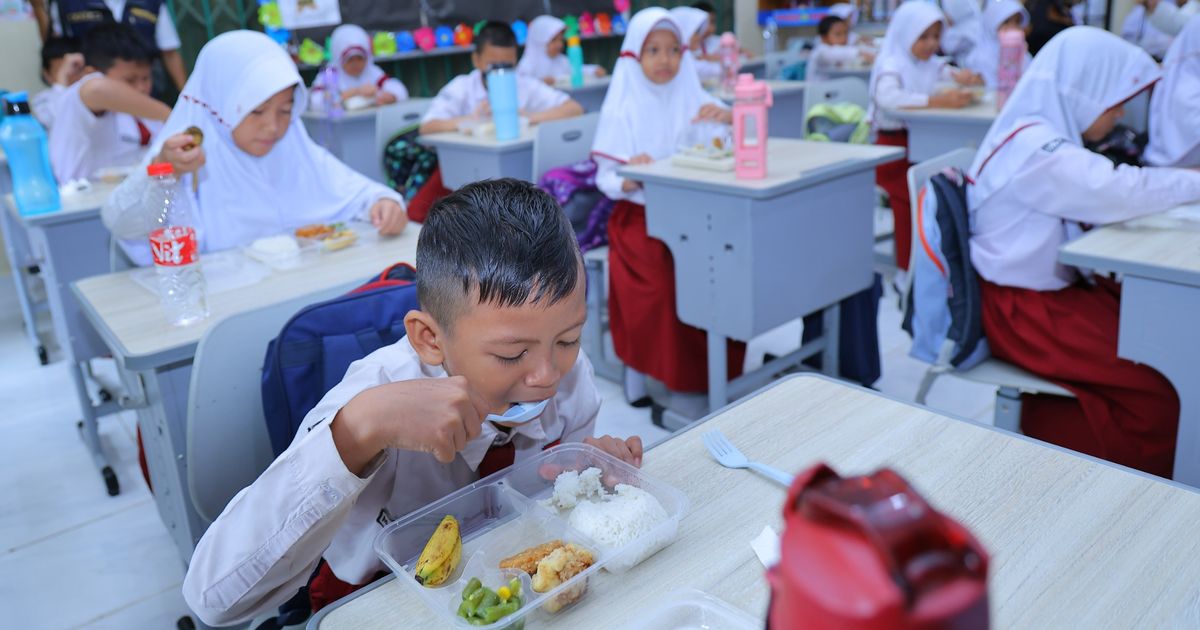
[
  {"x": 1123, "y": 412},
  {"x": 893, "y": 178},
  {"x": 647, "y": 333},
  {"x": 427, "y": 195}
]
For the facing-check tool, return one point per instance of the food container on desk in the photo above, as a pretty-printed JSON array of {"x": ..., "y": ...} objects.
[
  {"x": 502, "y": 515},
  {"x": 707, "y": 139},
  {"x": 686, "y": 609},
  {"x": 283, "y": 260}
]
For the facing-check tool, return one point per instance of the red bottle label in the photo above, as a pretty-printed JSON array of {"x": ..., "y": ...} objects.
[{"x": 174, "y": 246}]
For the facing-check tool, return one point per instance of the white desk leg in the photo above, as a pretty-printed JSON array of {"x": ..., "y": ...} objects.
[
  {"x": 20, "y": 257},
  {"x": 831, "y": 334},
  {"x": 718, "y": 371},
  {"x": 1158, "y": 328}
]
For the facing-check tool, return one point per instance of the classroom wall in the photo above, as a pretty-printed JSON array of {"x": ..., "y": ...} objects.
[
  {"x": 20, "y": 48},
  {"x": 745, "y": 20}
]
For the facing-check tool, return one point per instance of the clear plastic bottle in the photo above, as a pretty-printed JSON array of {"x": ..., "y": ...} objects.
[{"x": 175, "y": 249}]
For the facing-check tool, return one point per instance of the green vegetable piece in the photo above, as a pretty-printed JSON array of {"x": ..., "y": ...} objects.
[
  {"x": 471, "y": 587},
  {"x": 490, "y": 598},
  {"x": 496, "y": 613},
  {"x": 462, "y": 609},
  {"x": 477, "y": 596},
  {"x": 514, "y": 585}
]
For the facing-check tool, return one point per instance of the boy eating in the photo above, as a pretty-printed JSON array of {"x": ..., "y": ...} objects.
[{"x": 501, "y": 287}]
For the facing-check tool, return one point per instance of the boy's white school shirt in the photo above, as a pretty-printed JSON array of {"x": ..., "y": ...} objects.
[
  {"x": 827, "y": 57},
  {"x": 463, "y": 94},
  {"x": 45, "y": 103},
  {"x": 1017, "y": 232},
  {"x": 82, "y": 142},
  {"x": 307, "y": 505}
]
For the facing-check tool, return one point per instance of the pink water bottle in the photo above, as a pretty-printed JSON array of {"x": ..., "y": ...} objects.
[
  {"x": 1012, "y": 62},
  {"x": 729, "y": 61},
  {"x": 751, "y": 100}
]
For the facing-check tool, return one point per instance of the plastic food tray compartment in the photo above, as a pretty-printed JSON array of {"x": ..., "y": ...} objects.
[
  {"x": 689, "y": 609},
  {"x": 506, "y": 513}
]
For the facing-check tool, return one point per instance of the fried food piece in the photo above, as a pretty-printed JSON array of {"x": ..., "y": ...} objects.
[
  {"x": 316, "y": 231},
  {"x": 528, "y": 560},
  {"x": 196, "y": 134},
  {"x": 561, "y": 565},
  {"x": 339, "y": 240}
]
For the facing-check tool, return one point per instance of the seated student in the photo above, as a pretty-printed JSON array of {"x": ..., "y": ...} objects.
[
  {"x": 833, "y": 51},
  {"x": 1035, "y": 186},
  {"x": 502, "y": 290},
  {"x": 906, "y": 75},
  {"x": 849, "y": 12},
  {"x": 710, "y": 43},
  {"x": 1175, "y": 105},
  {"x": 694, "y": 24},
  {"x": 256, "y": 172},
  {"x": 350, "y": 50},
  {"x": 465, "y": 97},
  {"x": 655, "y": 95},
  {"x": 543, "y": 58},
  {"x": 999, "y": 16},
  {"x": 962, "y": 32},
  {"x": 62, "y": 66},
  {"x": 1169, "y": 17},
  {"x": 1139, "y": 31},
  {"x": 107, "y": 118}
]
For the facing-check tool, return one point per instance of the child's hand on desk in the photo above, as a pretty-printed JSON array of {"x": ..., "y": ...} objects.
[
  {"x": 182, "y": 152},
  {"x": 628, "y": 451},
  {"x": 629, "y": 185},
  {"x": 966, "y": 77},
  {"x": 601, "y": 72},
  {"x": 384, "y": 98},
  {"x": 482, "y": 109},
  {"x": 368, "y": 91},
  {"x": 438, "y": 416},
  {"x": 388, "y": 217},
  {"x": 714, "y": 113},
  {"x": 950, "y": 99},
  {"x": 548, "y": 81}
]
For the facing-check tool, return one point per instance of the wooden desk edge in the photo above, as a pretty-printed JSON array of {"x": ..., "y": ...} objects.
[{"x": 1068, "y": 255}]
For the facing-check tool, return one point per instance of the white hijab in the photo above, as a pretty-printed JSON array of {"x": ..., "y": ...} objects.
[
  {"x": 895, "y": 56},
  {"x": 960, "y": 37},
  {"x": 984, "y": 58},
  {"x": 638, "y": 115},
  {"x": 1079, "y": 74},
  {"x": 1175, "y": 104},
  {"x": 349, "y": 41},
  {"x": 846, "y": 11},
  {"x": 690, "y": 21},
  {"x": 534, "y": 61},
  {"x": 242, "y": 197}
]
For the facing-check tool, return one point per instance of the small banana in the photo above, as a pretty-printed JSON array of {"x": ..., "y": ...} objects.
[{"x": 441, "y": 554}]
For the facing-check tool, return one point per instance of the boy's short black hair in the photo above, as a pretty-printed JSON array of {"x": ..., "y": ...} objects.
[
  {"x": 504, "y": 240},
  {"x": 106, "y": 44},
  {"x": 705, "y": 6},
  {"x": 497, "y": 34},
  {"x": 826, "y": 24},
  {"x": 57, "y": 48}
]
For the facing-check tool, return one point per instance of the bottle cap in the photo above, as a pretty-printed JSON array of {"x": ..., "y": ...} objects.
[
  {"x": 160, "y": 169},
  {"x": 17, "y": 97},
  {"x": 573, "y": 40}
]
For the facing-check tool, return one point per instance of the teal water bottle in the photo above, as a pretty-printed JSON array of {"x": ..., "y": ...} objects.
[
  {"x": 502, "y": 96},
  {"x": 28, "y": 153},
  {"x": 575, "y": 56}
]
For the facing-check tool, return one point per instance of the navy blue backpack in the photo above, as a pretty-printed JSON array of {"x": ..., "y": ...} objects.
[{"x": 314, "y": 349}]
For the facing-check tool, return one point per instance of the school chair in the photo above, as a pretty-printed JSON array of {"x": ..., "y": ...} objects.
[
  {"x": 1010, "y": 381},
  {"x": 843, "y": 90},
  {"x": 391, "y": 119},
  {"x": 777, "y": 61},
  {"x": 226, "y": 442},
  {"x": 555, "y": 144}
]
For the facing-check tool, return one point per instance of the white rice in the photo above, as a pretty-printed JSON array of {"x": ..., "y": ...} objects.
[{"x": 570, "y": 487}]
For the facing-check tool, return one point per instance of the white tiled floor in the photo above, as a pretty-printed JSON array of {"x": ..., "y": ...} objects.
[{"x": 71, "y": 556}]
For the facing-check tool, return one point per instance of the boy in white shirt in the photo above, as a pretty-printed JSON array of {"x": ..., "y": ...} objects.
[
  {"x": 107, "y": 118},
  {"x": 62, "y": 66},
  {"x": 833, "y": 50},
  {"x": 502, "y": 292}
]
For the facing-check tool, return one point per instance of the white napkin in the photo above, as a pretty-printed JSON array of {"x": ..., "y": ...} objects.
[{"x": 766, "y": 547}]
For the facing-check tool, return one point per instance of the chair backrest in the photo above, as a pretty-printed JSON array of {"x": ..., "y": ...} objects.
[
  {"x": 227, "y": 445},
  {"x": 843, "y": 90},
  {"x": 920, "y": 173},
  {"x": 561, "y": 142},
  {"x": 392, "y": 118}
]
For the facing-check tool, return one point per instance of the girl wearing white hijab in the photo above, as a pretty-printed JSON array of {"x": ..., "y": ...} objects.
[
  {"x": 1175, "y": 104},
  {"x": 693, "y": 23},
  {"x": 654, "y": 97},
  {"x": 963, "y": 31},
  {"x": 984, "y": 58},
  {"x": 350, "y": 49},
  {"x": 905, "y": 76},
  {"x": 1137, "y": 29},
  {"x": 259, "y": 174},
  {"x": 543, "y": 58},
  {"x": 1034, "y": 186}
]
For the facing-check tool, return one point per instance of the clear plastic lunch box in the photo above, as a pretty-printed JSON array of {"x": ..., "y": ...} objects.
[
  {"x": 502, "y": 515},
  {"x": 690, "y": 609}
]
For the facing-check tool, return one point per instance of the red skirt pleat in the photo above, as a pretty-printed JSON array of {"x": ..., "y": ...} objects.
[{"x": 893, "y": 178}]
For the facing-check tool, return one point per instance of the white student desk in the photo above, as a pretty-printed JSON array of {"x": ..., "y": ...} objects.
[
  {"x": 1074, "y": 542},
  {"x": 753, "y": 254},
  {"x": 155, "y": 358},
  {"x": 785, "y": 119},
  {"x": 466, "y": 158},
  {"x": 73, "y": 244},
  {"x": 351, "y": 137},
  {"x": 590, "y": 95},
  {"x": 934, "y": 131},
  {"x": 1160, "y": 300},
  {"x": 857, "y": 71}
]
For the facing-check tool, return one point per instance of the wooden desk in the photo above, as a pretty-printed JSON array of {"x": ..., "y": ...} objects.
[
  {"x": 753, "y": 254},
  {"x": 590, "y": 95},
  {"x": 155, "y": 358},
  {"x": 933, "y": 132},
  {"x": 465, "y": 159},
  {"x": 786, "y": 117},
  {"x": 72, "y": 243},
  {"x": 1160, "y": 298},
  {"x": 1075, "y": 542}
]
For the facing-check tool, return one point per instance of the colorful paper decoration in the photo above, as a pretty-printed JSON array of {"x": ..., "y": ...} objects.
[
  {"x": 384, "y": 44},
  {"x": 311, "y": 52},
  {"x": 269, "y": 15},
  {"x": 425, "y": 38},
  {"x": 619, "y": 25},
  {"x": 405, "y": 41},
  {"x": 603, "y": 24},
  {"x": 521, "y": 30},
  {"x": 444, "y": 36},
  {"x": 586, "y": 27},
  {"x": 621, "y": 6},
  {"x": 463, "y": 35},
  {"x": 478, "y": 25}
]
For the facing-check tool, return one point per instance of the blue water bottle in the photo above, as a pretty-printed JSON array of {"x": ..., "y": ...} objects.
[
  {"x": 502, "y": 96},
  {"x": 575, "y": 56},
  {"x": 28, "y": 153}
]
